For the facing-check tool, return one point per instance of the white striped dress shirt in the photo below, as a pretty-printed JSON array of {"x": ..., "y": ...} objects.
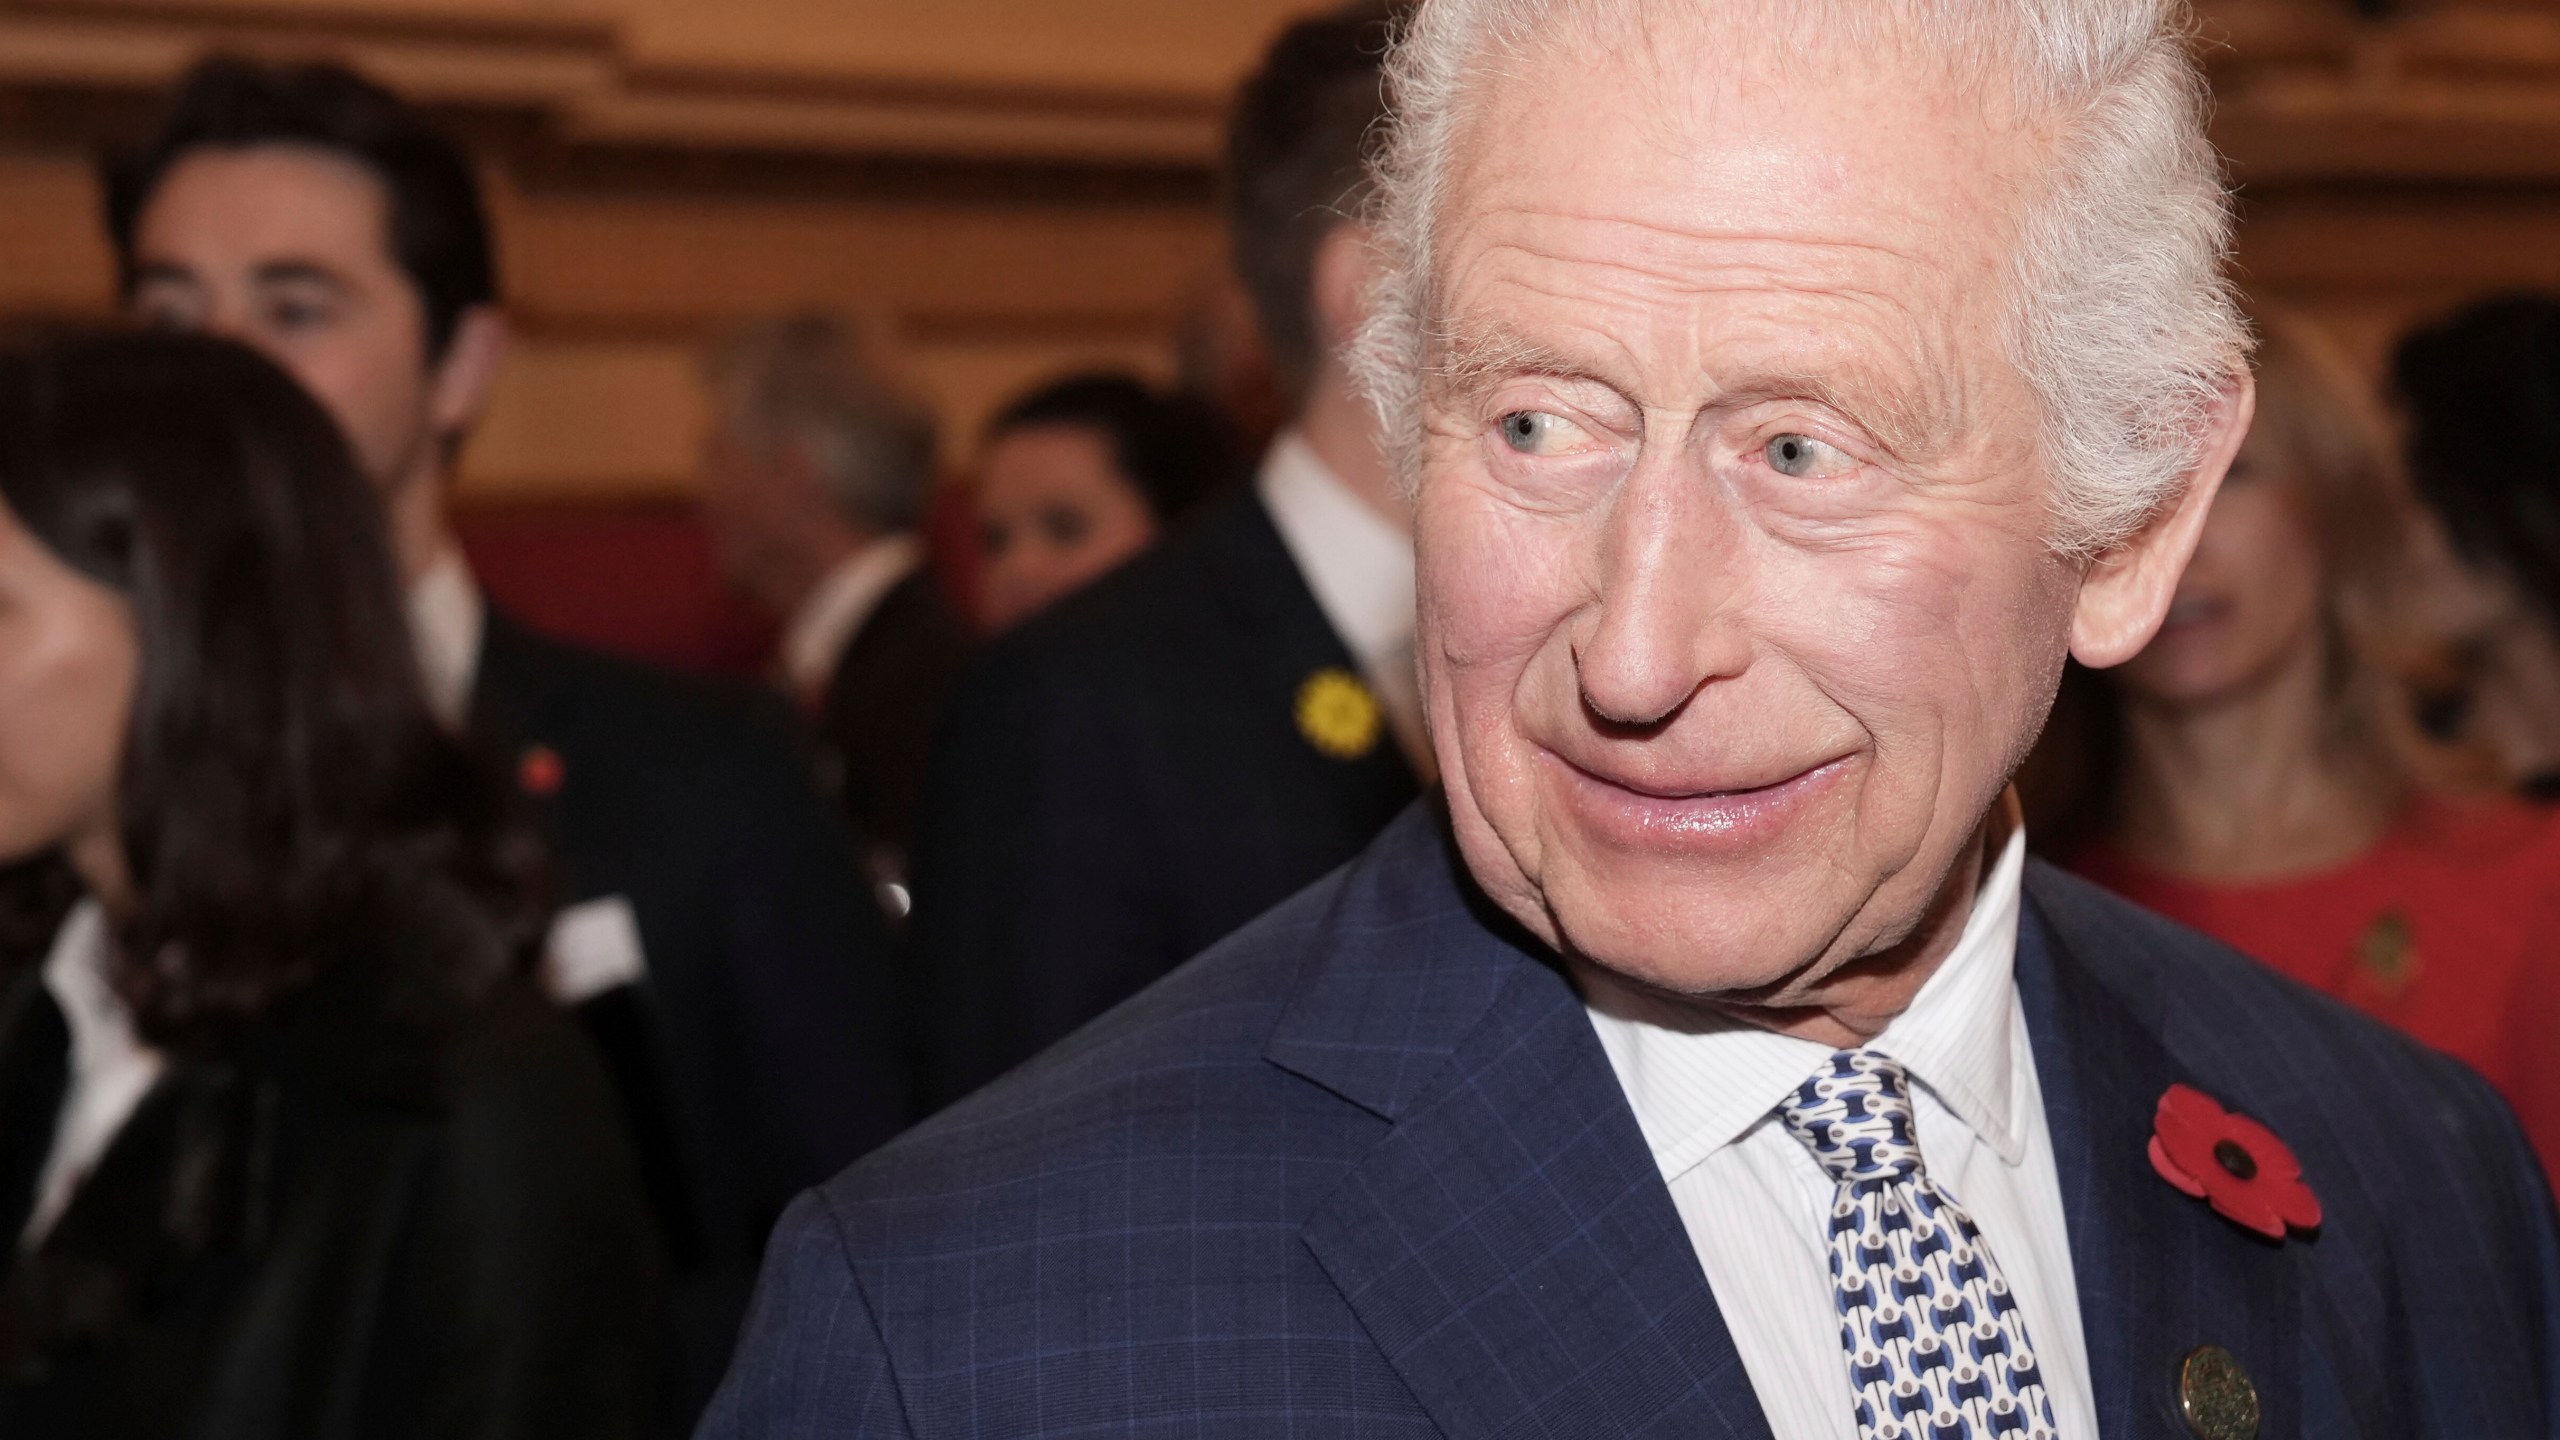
[{"x": 1756, "y": 1203}]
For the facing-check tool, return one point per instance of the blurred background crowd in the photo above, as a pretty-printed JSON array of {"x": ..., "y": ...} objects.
[{"x": 603, "y": 604}]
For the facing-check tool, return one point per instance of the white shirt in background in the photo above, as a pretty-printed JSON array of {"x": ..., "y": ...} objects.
[
  {"x": 111, "y": 1067},
  {"x": 446, "y": 616},
  {"x": 1360, "y": 567},
  {"x": 1757, "y": 1204},
  {"x": 840, "y": 606}
]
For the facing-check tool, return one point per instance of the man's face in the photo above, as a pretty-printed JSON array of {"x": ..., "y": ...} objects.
[
  {"x": 288, "y": 249},
  {"x": 773, "y": 529},
  {"x": 1738, "y": 602}
]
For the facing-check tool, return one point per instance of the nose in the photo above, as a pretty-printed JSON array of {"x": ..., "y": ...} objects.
[
  {"x": 1674, "y": 570},
  {"x": 224, "y": 320}
]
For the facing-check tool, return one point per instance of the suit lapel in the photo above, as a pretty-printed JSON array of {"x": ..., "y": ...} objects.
[
  {"x": 1508, "y": 1243},
  {"x": 512, "y": 723},
  {"x": 2159, "y": 1274},
  {"x": 1511, "y": 1247},
  {"x": 500, "y": 719},
  {"x": 1251, "y": 570}
]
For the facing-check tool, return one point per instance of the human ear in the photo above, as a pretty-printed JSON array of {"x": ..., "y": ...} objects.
[
  {"x": 1343, "y": 267},
  {"x": 459, "y": 389},
  {"x": 2125, "y": 593}
]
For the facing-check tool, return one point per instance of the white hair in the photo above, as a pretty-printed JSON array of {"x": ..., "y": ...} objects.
[{"x": 2122, "y": 319}]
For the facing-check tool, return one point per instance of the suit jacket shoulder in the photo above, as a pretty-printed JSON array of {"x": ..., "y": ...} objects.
[
  {"x": 1365, "y": 1165},
  {"x": 2252, "y": 1031},
  {"x": 1084, "y": 830},
  {"x": 305, "y": 1239},
  {"x": 2425, "y": 1301},
  {"x": 535, "y": 689}
]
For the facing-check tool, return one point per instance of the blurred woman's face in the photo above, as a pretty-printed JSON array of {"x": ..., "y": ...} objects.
[
  {"x": 68, "y": 660},
  {"x": 1054, "y": 513},
  {"x": 2250, "y": 600}
]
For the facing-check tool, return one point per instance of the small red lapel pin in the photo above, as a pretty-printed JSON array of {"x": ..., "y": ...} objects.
[
  {"x": 2232, "y": 1161},
  {"x": 540, "y": 771}
]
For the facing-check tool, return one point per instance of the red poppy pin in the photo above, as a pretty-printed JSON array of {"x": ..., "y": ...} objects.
[
  {"x": 2233, "y": 1161},
  {"x": 540, "y": 771}
]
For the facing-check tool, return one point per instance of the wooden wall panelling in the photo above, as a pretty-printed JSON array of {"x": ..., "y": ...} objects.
[
  {"x": 1107, "y": 81},
  {"x": 698, "y": 258},
  {"x": 53, "y": 259}
]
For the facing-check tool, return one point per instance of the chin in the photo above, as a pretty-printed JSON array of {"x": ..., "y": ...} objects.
[{"x": 1700, "y": 931}]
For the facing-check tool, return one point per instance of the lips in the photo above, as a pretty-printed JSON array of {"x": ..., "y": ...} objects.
[{"x": 1719, "y": 816}]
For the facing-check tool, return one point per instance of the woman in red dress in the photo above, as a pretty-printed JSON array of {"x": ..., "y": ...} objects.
[{"x": 2260, "y": 774}]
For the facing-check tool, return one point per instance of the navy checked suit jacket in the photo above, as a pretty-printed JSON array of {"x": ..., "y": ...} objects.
[{"x": 1363, "y": 1169}]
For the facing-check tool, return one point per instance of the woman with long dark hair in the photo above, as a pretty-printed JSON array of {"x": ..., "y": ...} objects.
[{"x": 289, "y": 1145}]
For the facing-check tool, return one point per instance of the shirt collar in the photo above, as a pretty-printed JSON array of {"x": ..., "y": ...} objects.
[
  {"x": 446, "y": 616},
  {"x": 75, "y": 971},
  {"x": 1700, "y": 1082},
  {"x": 1359, "y": 565},
  {"x": 839, "y": 607}
]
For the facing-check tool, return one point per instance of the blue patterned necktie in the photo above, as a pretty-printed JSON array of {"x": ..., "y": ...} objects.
[{"x": 1936, "y": 1347}]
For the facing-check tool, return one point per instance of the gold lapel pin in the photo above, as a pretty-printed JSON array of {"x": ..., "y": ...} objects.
[
  {"x": 2387, "y": 952},
  {"x": 2216, "y": 1395}
]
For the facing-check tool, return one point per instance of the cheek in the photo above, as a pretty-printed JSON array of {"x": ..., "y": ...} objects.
[
  {"x": 376, "y": 392},
  {"x": 1121, "y": 527},
  {"x": 1497, "y": 586},
  {"x": 2294, "y": 577},
  {"x": 65, "y": 705},
  {"x": 1941, "y": 641}
]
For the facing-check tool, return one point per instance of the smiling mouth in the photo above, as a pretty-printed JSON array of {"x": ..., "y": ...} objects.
[
  {"x": 1635, "y": 815},
  {"x": 1651, "y": 792}
]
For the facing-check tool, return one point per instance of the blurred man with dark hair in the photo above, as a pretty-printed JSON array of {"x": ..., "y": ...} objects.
[
  {"x": 814, "y": 482},
  {"x": 1164, "y": 756},
  {"x": 714, "y": 945}
]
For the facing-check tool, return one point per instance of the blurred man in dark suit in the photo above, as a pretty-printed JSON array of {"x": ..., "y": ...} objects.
[
  {"x": 713, "y": 937},
  {"x": 1161, "y": 758},
  {"x": 814, "y": 483}
]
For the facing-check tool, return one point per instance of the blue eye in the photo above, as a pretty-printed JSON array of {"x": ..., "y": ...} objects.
[
  {"x": 1805, "y": 458},
  {"x": 1535, "y": 432}
]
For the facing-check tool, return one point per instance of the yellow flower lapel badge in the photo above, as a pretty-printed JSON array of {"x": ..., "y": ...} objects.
[{"x": 1338, "y": 715}]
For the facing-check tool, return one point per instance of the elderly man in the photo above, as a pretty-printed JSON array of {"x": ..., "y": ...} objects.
[
  {"x": 1789, "y": 386},
  {"x": 814, "y": 483}
]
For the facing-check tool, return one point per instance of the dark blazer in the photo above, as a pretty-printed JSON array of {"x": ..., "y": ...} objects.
[
  {"x": 876, "y": 723},
  {"x": 343, "y": 1227},
  {"x": 760, "y": 1053},
  {"x": 1364, "y": 1168},
  {"x": 1121, "y": 783}
]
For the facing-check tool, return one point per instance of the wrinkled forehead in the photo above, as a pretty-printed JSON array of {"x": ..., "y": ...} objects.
[{"x": 1698, "y": 150}]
